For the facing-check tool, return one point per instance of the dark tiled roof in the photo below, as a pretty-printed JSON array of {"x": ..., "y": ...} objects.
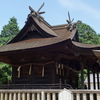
[
  {"x": 53, "y": 35},
  {"x": 38, "y": 42}
]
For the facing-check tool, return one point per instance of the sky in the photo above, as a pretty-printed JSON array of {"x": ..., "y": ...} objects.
[{"x": 88, "y": 11}]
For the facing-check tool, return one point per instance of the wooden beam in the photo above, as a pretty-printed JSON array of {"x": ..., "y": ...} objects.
[{"x": 94, "y": 80}]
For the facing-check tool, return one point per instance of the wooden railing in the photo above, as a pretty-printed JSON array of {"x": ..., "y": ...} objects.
[
  {"x": 35, "y": 86},
  {"x": 29, "y": 94},
  {"x": 85, "y": 94},
  {"x": 48, "y": 94}
]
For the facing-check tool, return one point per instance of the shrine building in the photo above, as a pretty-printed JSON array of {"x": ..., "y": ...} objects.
[{"x": 46, "y": 55}]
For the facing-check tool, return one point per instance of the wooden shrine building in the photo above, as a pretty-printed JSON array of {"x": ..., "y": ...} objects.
[{"x": 44, "y": 54}]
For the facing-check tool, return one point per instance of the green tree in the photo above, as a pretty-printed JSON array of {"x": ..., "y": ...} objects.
[
  {"x": 87, "y": 34},
  {"x": 9, "y": 31},
  {"x": 5, "y": 73}
]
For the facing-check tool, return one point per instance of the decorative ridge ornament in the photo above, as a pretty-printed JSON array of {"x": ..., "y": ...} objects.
[
  {"x": 71, "y": 25},
  {"x": 37, "y": 14},
  {"x": 69, "y": 21}
]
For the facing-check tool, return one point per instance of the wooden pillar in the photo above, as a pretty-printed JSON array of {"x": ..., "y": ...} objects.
[
  {"x": 88, "y": 72},
  {"x": 82, "y": 76},
  {"x": 98, "y": 80},
  {"x": 77, "y": 85},
  {"x": 13, "y": 74},
  {"x": 60, "y": 84},
  {"x": 70, "y": 78},
  {"x": 94, "y": 80}
]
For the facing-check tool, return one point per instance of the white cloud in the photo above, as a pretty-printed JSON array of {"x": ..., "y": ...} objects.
[{"x": 82, "y": 6}]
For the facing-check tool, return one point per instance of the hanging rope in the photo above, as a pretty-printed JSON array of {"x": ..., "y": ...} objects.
[
  {"x": 30, "y": 69},
  {"x": 35, "y": 64},
  {"x": 60, "y": 68},
  {"x": 56, "y": 65},
  {"x": 43, "y": 71},
  {"x": 19, "y": 71}
]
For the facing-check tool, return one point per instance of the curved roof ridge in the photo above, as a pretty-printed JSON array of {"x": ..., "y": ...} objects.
[
  {"x": 83, "y": 45},
  {"x": 43, "y": 29}
]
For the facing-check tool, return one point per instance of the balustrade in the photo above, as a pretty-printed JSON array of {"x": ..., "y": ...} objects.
[
  {"x": 48, "y": 94},
  {"x": 85, "y": 94}
]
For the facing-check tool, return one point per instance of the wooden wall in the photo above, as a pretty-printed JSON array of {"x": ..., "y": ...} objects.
[
  {"x": 35, "y": 77},
  {"x": 50, "y": 75}
]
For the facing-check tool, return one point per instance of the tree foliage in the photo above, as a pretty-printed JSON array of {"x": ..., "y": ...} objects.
[
  {"x": 87, "y": 34},
  {"x": 5, "y": 73},
  {"x": 9, "y": 31}
]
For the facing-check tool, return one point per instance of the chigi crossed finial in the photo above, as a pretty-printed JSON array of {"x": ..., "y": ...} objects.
[
  {"x": 69, "y": 21},
  {"x": 71, "y": 25},
  {"x": 37, "y": 13}
]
